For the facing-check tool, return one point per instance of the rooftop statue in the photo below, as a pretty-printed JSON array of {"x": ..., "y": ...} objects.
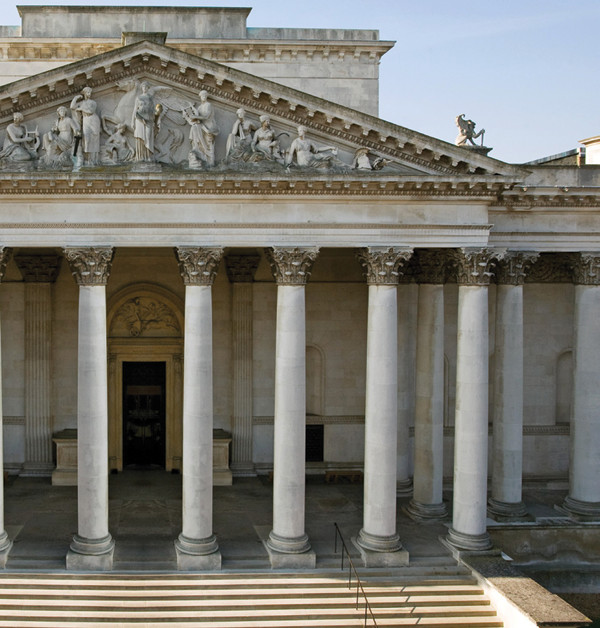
[
  {"x": 84, "y": 112},
  {"x": 466, "y": 131},
  {"x": 20, "y": 145}
]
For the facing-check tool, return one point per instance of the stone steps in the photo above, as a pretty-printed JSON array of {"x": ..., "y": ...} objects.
[{"x": 243, "y": 600}]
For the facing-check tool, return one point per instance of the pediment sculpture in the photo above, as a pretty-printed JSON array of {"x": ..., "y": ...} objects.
[{"x": 142, "y": 126}]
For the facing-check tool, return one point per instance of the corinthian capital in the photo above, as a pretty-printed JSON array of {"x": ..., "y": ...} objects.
[
  {"x": 514, "y": 266},
  {"x": 90, "y": 266},
  {"x": 197, "y": 265},
  {"x": 291, "y": 266},
  {"x": 432, "y": 266},
  {"x": 474, "y": 267},
  {"x": 382, "y": 265},
  {"x": 5, "y": 253},
  {"x": 586, "y": 268}
]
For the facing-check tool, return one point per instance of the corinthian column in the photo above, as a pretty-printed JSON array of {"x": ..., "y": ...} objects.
[
  {"x": 583, "y": 501},
  {"x": 240, "y": 270},
  {"x": 288, "y": 544},
  {"x": 507, "y": 459},
  {"x": 378, "y": 540},
  {"x": 468, "y": 530},
  {"x": 39, "y": 273},
  {"x": 5, "y": 542},
  {"x": 427, "y": 503},
  {"x": 93, "y": 546},
  {"x": 197, "y": 547}
]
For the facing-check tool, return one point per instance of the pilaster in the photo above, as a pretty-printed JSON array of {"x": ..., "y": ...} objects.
[{"x": 241, "y": 270}]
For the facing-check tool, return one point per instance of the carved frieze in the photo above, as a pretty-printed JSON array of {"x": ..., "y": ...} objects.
[
  {"x": 514, "y": 266},
  {"x": 5, "y": 253},
  {"x": 141, "y": 315},
  {"x": 90, "y": 266},
  {"x": 551, "y": 268},
  {"x": 382, "y": 265},
  {"x": 474, "y": 267},
  {"x": 586, "y": 268},
  {"x": 198, "y": 265},
  {"x": 38, "y": 268},
  {"x": 291, "y": 266},
  {"x": 241, "y": 268}
]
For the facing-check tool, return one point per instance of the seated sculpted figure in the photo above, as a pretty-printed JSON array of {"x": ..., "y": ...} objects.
[
  {"x": 117, "y": 148},
  {"x": 203, "y": 131},
  {"x": 308, "y": 154},
  {"x": 59, "y": 142},
  {"x": 20, "y": 145},
  {"x": 265, "y": 144},
  {"x": 239, "y": 141}
]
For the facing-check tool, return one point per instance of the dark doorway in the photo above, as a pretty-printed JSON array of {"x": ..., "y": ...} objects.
[
  {"x": 314, "y": 443},
  {"x": 144, "y": 414}
]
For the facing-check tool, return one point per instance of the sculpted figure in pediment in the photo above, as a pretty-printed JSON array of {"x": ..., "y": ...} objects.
[
  {"x": 307, "y": 154},
  {"x": 117, "y": 148},
  {"x": 84, "y": 110},
  {"x": 147, "y": 116},
  {"x": 239, "y": 141},
  {"x": 203, "y": 131},
  {"x": 59, "y": 142},
  {"x": 20, "y": 145},
  {"x": 362, "y": 161},
  {"x": 265, "y": 144}
]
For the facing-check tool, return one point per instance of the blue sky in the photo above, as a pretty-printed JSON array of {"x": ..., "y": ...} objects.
[{"x": 525, "y": 70}]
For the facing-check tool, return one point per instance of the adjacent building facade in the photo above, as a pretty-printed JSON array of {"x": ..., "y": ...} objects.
[{"x": 206, "y": 227}]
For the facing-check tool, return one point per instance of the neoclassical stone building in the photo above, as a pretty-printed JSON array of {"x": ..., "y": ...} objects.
[{"x": 207, "y": 227}]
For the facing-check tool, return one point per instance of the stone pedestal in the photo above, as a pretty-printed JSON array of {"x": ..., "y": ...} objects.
[
  {"x": 197, "y": 547},
  {"x": 65, "y": 473},
  {"x": 92, "y": 547},
  {"x": 222, "y": 475}
]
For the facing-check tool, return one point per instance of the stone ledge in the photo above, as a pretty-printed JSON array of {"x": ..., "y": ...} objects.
[{"x": 517, "y": 596}]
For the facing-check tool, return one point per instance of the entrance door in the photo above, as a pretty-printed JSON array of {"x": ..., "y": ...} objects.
[{"x": 144, "y": 414}]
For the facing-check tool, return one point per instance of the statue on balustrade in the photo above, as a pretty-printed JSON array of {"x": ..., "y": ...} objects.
[{"x": 20, "y": 145}]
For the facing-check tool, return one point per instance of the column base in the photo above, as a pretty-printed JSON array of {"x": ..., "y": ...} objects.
[
  {"x": 5, "y": 547},
  {"x": 426, "y": 512},
  {"x": 380, "y": 551},
  {"x": 91, "y": 554},
  {"x": 507, "y": 511},
  {"x": 581, "y": 511},
  {"x": 290, "y": 553},
  {"x": 404, "y": 488},
  {"x": 469, "y": 542},
  {"x": 197, "y": 554}
]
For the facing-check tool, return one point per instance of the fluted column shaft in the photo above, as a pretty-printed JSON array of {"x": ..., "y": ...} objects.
[
  {"x": 291, "y": 269},
  {"x": 427, "y": 502},
  {"x": 197, "y": 546},
  {"x": 507, "y": 458},
  {"x": 240, "y": 270},
  {"x": 378, "y": 533},
  {"x": 5, "y": 542},
  {"x": 92, "y": 546},
  {"x": 471, "y": 417},
  {"x": 583, "y": 501}
]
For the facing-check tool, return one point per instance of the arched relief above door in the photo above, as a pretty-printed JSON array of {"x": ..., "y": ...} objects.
[{"x": 145, "y": 311}]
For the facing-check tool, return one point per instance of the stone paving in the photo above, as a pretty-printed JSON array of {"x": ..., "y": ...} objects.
[{"x": 145, "y": 518}]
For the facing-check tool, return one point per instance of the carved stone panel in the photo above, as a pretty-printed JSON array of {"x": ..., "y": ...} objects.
[{"x": 142, "y": 316}]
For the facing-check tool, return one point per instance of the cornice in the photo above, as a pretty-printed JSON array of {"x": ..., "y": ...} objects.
[
  {"x": 241, "y": 89},
  {"x": 540, "y": 198}
]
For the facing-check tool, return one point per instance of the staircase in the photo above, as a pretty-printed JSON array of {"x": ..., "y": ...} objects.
[{"x": 402, "y": 597}]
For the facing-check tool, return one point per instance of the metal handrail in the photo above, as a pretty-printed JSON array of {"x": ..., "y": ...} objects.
[{"x": 352, "y": 568}]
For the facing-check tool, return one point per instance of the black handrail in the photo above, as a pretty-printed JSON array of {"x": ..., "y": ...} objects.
[{"x": 352, "y": 568}]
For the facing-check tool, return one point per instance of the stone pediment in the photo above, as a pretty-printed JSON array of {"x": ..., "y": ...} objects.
[{"x": 147, "y": 108}]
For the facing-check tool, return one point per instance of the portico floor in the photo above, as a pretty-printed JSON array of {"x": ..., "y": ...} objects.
[{"x": 145, "y": 519}]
